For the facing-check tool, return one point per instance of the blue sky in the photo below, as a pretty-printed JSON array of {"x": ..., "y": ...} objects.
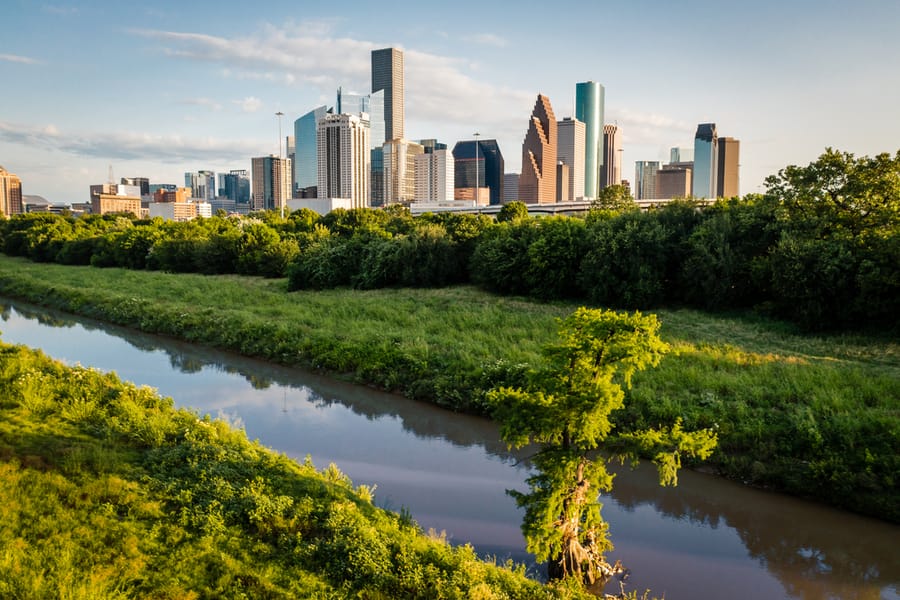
[{"x": 159, "y": 88}]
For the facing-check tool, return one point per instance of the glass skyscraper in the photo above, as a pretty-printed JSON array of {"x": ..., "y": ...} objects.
[
  {"x": 487, "y": 170},
  {"x": 387, "y": 76},
  {"x": 589, "y": 110},
  {"x": 705, "y": 155},
  {"x": 305, "y": 148}
]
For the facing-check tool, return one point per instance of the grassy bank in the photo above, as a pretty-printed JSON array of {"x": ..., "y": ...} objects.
[
  {"x": 106, "y": 492},
  {"x": 813, "y": 416}
]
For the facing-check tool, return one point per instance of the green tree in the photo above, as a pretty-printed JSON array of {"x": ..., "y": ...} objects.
[
  {"x": 568, "y": 408},
  {"x": 512, "y": 211},
  {"x": 616, "y": 198},
  {"x": 840, "y": 193}
]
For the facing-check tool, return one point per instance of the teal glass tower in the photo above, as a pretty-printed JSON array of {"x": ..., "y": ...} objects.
[
  {"x": 705, "y": 155},
  {"x": 589, "y": 110}
]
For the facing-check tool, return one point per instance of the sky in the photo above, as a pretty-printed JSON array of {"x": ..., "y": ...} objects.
[{"x": 157, "y": 88}]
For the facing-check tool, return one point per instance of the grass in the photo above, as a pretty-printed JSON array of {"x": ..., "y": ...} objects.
[
  {"x": 107, "y": 491},
  {"x": 815, "y": 416}
]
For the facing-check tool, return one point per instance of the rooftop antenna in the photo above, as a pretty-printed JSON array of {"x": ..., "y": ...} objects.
[{"x": 111, "y": 178}]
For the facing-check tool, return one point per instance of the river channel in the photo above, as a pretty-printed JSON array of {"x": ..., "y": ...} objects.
[{"x": 707, "y": 538}]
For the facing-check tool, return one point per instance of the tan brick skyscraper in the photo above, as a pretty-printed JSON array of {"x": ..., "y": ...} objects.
[{"x": 537, "y": 182}]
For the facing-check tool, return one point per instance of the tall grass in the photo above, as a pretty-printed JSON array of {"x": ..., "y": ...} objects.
[{"x": 96, "y": 504}]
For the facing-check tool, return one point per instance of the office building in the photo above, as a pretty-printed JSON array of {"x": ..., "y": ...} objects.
[
  {"x": 400, "y": 171},
  {"x": 142, "y": 183},
  {"x": 645, "y": 179},
  {"x": 176, "y": 195},
  {"x": 115, "y": 198},
  {"x": 154, "y": 187},
  {"x": 306, "y": 170},
  {"x": 369, "y": 107},
  {"x": 479, "y": 162},
  {"x": 435, "y": 174},
  {"x": 10, "y": 194},
  {"x": 510, "y": 187},
  {"x": 674, "y": 180},
  {"x": 387, "y": 75},
  {"x": 681, "y": 155},
  {"x": 570, "y": 151},
  {"x": 235, "y": 186},
  {"x": 180, "y": 211},
  {"x": 611, "y": 169},
  {"x": 344, "y": 159},
  {"x": 290, "y": 151},
  {"x": 537, "y": 181},
  {"x": 202, "y": 184},
  {"x": 589, "y": 107},
  {"x": 271, "y": 183},
  {"x": 562, "y": 182},
  {"x": 728, "y": 168},
  {"x": 706, "y": 155}
]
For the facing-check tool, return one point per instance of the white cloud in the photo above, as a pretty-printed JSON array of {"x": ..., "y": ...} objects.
[
  {"x": 249, "y": 104},
  {"x": 25, "y": 60},
  {"x": 487, "y": 39},
  {"x": 170, "y": 149},
  {"x": 442, "y": 96},
  {"x": 205, "y": 102}
]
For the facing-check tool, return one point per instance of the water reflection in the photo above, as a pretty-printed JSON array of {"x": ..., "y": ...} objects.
[{"x": 708, "y": 536}]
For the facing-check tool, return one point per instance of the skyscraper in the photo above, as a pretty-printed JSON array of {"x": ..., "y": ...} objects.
[
  {"x": 202, "y": 184},
  {"x": 10, "y": 193},
  {"x": 705, "y": 157},
  {"x": 434, "y": 174},
  {"x": 537, "y": 182},
  {"x": 306, "y": 150},
  {"x": 645, "y": 179},
  {"x": 510, "y": 187},
  {"x": 290, "y": 146},
  {"x": 142, "y": 182},
  {"x": 387, "y": 75},
  {"x": 479, "y": 162},
  {"x": 589, "y": 103},
  {"x": 369, "y": 107},
  {"x": 236, "y": 186},
  {"x": 271, "y": 184},
  {"x": 400, "y": 171},
  {"x": 343, "y": 159},
  {"x": 679, "y": 155},
  {"x": 571, "y": 152},
  {"x": 728, "y": 168},
  {"x": 674, "y": 180},
  {"x": 611, "y": 169}
]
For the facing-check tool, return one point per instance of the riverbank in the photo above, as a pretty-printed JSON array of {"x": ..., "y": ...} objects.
[
  {"x": 816, "y": 417},
  {"x": 108, "y": 491}
]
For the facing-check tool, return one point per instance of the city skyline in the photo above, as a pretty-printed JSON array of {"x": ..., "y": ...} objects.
[{"x": 189, "y": 98}]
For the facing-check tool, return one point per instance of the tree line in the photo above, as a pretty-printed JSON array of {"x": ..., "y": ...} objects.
[{"x": 821, "y": 248}]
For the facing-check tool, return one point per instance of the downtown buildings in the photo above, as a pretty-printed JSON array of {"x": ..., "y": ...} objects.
[
  {"x": 589, "y": 107},
  {"x": 343, "y": 159},
  {"x": 271, "y": 183},
  {"x": 10, "y": 194},
  {"x": 537, "y": 181}
]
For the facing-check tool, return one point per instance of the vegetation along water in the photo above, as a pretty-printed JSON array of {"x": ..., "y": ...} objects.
[{"x": 366, "y": 295}]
